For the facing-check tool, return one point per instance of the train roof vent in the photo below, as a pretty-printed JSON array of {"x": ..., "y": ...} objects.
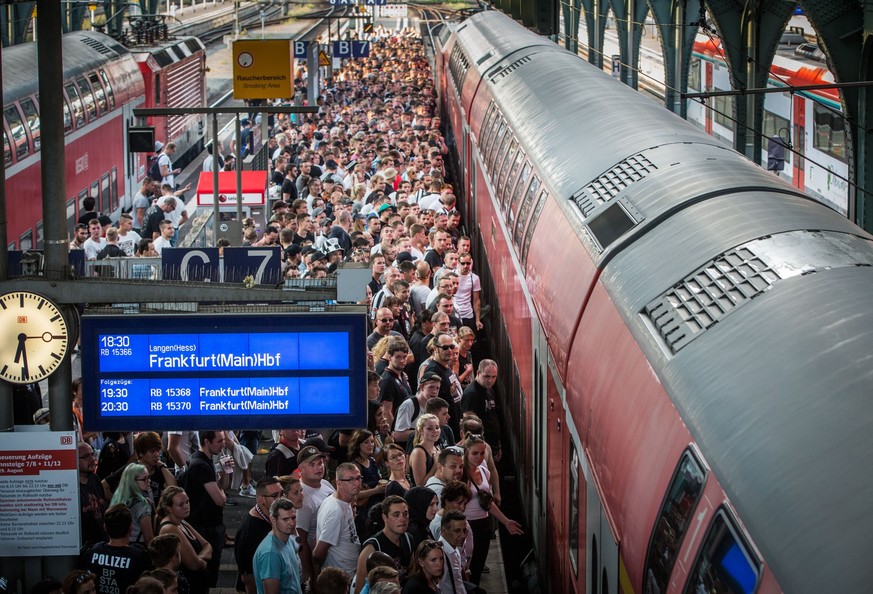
[
  {"x": 734, "y": 278},
  {"x": 706, "y": 296},
  {"x": 508, "y": 69},
  {"x": 97, "y": 46},
  {"x": 194, "y": 44},
  {"x": 610, "y": 184}
]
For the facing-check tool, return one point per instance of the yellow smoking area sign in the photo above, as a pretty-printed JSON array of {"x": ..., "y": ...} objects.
[{"x": 262, "y": 69}]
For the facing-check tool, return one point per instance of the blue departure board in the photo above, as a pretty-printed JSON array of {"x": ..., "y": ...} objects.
[{"x": 224, "y": 371}]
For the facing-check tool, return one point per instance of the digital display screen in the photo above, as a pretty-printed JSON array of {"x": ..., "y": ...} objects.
[{"x": 217, "y": 371}]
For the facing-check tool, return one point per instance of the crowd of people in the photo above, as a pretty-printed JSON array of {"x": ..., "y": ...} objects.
[{"x": 409, "y": 502}]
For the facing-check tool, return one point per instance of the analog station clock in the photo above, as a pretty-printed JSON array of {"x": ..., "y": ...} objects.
[{"x": 33, "y": 337}]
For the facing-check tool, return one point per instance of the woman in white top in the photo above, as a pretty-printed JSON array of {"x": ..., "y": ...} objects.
[{"x": 481, "y": 504}]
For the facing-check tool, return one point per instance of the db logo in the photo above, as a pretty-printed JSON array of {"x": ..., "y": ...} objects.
[
  {"x": 22, "y": 319},
  {"x": 66, "y": 440}
]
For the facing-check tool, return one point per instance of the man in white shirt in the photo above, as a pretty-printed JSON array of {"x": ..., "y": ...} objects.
[
  {"x": 95, "y": 241},
  {"x": 165, "y": 240},
  {"x": 467, "y": 298},
  {"x": 310, "y": 461},
  {"x": 169, "y": 174},
  {"x": 127, "y": 237},
  {"x": 337, "y": 543}
]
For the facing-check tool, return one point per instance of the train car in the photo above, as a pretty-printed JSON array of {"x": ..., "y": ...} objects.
[
  {"x": 102, "y": 86},
  {"x": 683, "y": 337},
  {"x": 811, "y": 121},
  {"x": 174, "y": 76}
]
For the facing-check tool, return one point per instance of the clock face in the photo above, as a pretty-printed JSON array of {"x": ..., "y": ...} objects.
[{"x": 33, "y": 337}]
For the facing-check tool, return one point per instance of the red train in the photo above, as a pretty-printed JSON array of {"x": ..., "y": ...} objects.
[
  {"x": 684, "y": 338},
  {"x": 103, "y": 83}
]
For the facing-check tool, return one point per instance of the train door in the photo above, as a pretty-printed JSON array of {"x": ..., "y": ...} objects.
[
  {"x": 131, "y": 173},
  {"x": 536, "y": 498},
  {"x": 468, "y": 156},
  {"x": 556, "y": 524},
  {"x": 602, "y": 576},
  {"x": 707, "y": 113},
  {"x": 799, "y": 117}
]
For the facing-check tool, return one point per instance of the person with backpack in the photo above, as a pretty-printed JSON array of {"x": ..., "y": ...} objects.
[
  {"x": 282, "y": 459},
  {"x": 391, "y": 540},
  {"x": 166, "y": 171},
  {"x": 412, "y": 407}
]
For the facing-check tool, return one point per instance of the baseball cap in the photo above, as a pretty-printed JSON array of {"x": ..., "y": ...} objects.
[
  {"x": 430, "y": 377},
  {"x": 308, "y": 454}
]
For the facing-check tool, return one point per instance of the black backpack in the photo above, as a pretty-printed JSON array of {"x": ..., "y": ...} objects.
[{"x": 154, "y": 169}]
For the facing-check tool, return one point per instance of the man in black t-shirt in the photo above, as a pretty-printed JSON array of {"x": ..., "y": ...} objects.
[
  {"x": 151, "y": 224},
  {"x": 253, "y": 529},
  {"x": 117, "y": 564},
  {"x": 207, "y": 498},
  {"x": 443, "y": 358},
  {"x": 91, "y": 500}
]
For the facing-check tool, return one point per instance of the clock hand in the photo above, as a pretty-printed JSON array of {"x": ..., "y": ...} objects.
[
  {"x": 21, "y": 338},
  {"x": 24, "y": 369},
  {"x": 48, "y": 337}
]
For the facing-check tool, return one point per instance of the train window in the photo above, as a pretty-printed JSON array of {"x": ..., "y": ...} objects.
[
  {"x": 694, "y": 74},
  {"x": 504, "y": 167},
  {"x": 25, "y": 242},
  {"x": 724, "y": 111},
  {"x": 776, "y": 125},
  {"x": 524, "y": 212},
  {"x": 109, "y": 94},
  {"x": 32, "y": 118},
  {"x": 676, "y": 512},
  {"x": 40, "y": 235},
  {"x": 830, "y": 131},
  {"x": 511, "y": 182},
  {"x": 573, "y": 532},
  {"x": 87, "y": 98},
  {"x": 16, "y": 128},
  {"x": 71, "y": 216},
  {"x": 724, "y": 564},
  {"x": 95, "y": 192},
  {"x": 105, "y": 194},
  {"x": 68, "y": 118},
  {"x": 485, "y": 131},
  {"x": 7, "y": 152},
  {"x": 499, "y": 141},
  {"x": 492, "y": 139},
  {"x": 76, "y": 104},
  {"x": 541, "y": 203},
  {"x": 517, "y": 194},
  {"x": 99, "y": 94},
  {"x": 157, "y": 87},
  {"x": 113, "y": 188}
]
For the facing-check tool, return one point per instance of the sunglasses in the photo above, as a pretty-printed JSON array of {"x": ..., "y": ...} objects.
[
  {"x": 447, "y": 347},
  {"x": 84, "y": 577}
]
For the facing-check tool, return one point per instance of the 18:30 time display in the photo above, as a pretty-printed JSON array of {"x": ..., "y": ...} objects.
[{"x": 111, "y": 341}]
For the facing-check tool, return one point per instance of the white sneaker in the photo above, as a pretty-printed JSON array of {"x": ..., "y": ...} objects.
[{"x": 247, "y": 491}]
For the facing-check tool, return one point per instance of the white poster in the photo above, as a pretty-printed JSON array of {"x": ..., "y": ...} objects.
[{"x": 39, "y": 494}]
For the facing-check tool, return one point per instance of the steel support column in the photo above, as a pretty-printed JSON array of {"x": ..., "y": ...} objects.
[
  {"x": 595, "y": 22},
  {"x": 673, "y": 19},
  {"x": 630, "y": 16}
]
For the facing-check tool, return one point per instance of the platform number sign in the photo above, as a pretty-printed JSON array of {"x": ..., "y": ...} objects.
[{"x": 351, "y": 49}]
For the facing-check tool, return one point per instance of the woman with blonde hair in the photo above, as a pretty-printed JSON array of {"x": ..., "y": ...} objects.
[{"x": 422, "y": 460}]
